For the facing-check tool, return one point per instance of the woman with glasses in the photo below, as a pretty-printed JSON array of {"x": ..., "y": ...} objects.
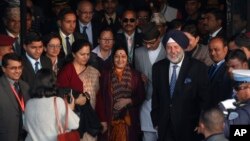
[
  {"x": 52, "y": 46},
  {"x": 118, "y": 103},
  {"x": 101, "y": 57}
]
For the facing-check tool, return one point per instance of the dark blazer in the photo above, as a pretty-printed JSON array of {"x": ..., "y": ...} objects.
[
  {"x": 96, "y": 29},
  {"x": 181, "y": 112},
  {"x": 222, "y": 33},
  {"x": 28, "y": 74},
  {"x": 102, "y": 22},
  {"x": 221, "y": 85},
  {"x": 77, "y": 36},
  {"x": 10, "y": 112},
  {"x": 18, "y": 49},
  {"x": 121, "y": 41}
]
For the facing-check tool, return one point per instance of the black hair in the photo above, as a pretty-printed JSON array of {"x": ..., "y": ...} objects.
[
  {"x": 236, "y": 54},
  {"x": 191, "y": 29},
  {"x": 32, "y": 37},
  {"x": 175, "y": 24},
  {"x": 220, "y": 38},
  {"x": 218, "y": 14},
  {"x": 213, "y": 119},
  {"x": 106, "y": 29},
  {"x": 76, "y": 46},
  {"x": 44, "y": 84},
  {"x": 48, "y": 37},
  {"x": 10, "y": 56},
  {"x": 63, "y": 12}
]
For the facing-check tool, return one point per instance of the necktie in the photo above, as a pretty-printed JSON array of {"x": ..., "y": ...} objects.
[
  {"x": 129, "y": 41},
  {"x": 17, "y": 47},
  {"x": 85, "y": 33},
  {"x": 16, "y": 86},
  {"x": 173, "y": 81},
  {"x": 68, "y": 45},
  {"x": 36, "y": 66},
  {"x": 212, "y": 71},
  {"x": 111, "y": 21}
]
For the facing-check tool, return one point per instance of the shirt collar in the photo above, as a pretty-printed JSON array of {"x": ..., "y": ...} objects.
[
  {"x": 32, "y": 61},
  {"x": 82, "y": 25},
  {"x": 97, "y": 51},
  {"x": 112, "y": 16},
  {"x": 11, "y": 35},
  {"x": 219, "y": 63},
  {"x": 10, "y": 80},
  {"x": 127, "y": 36},
  {"x": 64, "y": 36},
  {"x": 216, "y": 32}
]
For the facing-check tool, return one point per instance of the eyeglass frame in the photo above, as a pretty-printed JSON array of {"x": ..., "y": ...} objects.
[
  {"x": 106, "y": 40},
  {"x": 131, "y": 20},
  {"x": 53, "y": 46}
]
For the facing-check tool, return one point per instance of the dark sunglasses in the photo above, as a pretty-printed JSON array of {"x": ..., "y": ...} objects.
[{"x": 125, "y": 20}]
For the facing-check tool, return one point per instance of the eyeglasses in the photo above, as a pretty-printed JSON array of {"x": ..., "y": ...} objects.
[
  {"x": 54, "y": 46},
  {"x": 126, "y": 20},
  {"x": 106, "y": 40},
  {"x": 15, "y": 68}
]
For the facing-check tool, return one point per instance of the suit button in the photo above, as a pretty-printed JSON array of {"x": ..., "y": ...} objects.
[{"x": 170, "y": 105}]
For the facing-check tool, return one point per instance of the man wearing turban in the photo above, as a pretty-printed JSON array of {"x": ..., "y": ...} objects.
[{"x": 180, "y": 91}]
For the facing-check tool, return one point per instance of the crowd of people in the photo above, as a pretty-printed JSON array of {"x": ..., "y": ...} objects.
[{"x": 136, "y": 71}]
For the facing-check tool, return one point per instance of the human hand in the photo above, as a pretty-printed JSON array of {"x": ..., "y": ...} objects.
[
  {"x": 122, "y": 102},
  {"x": 81, "y": 100},
  {"x": 104, "y": 127}
]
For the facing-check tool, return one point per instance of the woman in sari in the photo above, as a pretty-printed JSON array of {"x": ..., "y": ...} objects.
[
  {"x": 81, "y": 77},
  {"x": 118, "y": 103}
]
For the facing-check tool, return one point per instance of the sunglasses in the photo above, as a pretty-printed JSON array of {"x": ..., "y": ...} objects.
[{"x": 126, "y": 20}]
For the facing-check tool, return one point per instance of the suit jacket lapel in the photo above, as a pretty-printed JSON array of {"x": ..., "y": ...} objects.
[
  {"x": 182, "y": 74},
  {"x": 9, "y": 92},
  {"x": 29, "y": 66}
]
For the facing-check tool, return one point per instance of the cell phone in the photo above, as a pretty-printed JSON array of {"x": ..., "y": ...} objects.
[{"x": 69, "y": 96}]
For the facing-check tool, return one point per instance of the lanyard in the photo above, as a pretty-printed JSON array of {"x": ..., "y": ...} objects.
[{"x": 20, "y": 101}]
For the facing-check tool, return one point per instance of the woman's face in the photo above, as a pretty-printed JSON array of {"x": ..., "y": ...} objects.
[
  {"x": 120, "y": 59},
  {"x": 106, "y": 40},
  {"x": 53, "y": 48},
  {"x": 81, "y": 57}
]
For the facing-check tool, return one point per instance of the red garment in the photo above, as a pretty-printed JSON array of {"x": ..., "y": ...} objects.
[
  {"x": 104, "y": 104},
  {"x": 68, "y": 78}
]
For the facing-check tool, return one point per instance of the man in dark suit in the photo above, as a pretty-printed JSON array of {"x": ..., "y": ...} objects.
[
  {"x": 108, "y": 17},
  {"x": 129, "y": 37},
  {"x": 221, "y": 87},
  {"x": 11, "y": 20},
  {"x": 85, "y": 25},
  {"x": 67, "y": 26},
  {"x": 180, "y": 91},
  {"x": 213, "y": 23},
  {"x": 13, "y": 96},
  {"x": 33, "y": 59}
]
